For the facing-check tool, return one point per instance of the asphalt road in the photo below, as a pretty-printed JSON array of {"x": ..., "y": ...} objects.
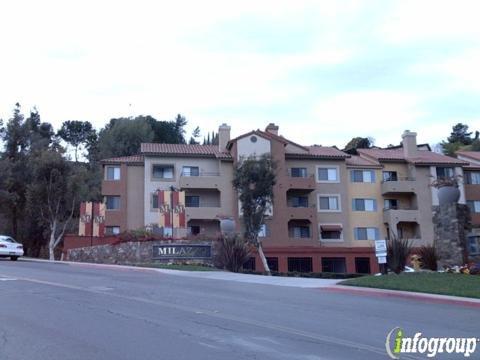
[{"x": 59, "y": 311}]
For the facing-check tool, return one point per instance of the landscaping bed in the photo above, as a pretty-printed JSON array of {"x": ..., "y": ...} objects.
[{"x": 432, "y": 283}]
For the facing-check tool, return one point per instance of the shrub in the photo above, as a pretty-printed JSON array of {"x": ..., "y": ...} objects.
[
  {"x": 397, "y": 253},
  {"x": 429, "y": 257},
  {"x": 232, "y": 253}
]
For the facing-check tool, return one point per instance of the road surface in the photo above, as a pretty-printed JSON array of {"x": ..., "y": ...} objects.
[{"x": 60, "y": 311}]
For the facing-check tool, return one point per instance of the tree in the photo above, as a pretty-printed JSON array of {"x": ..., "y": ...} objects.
[
  {"x": 123, "y": 136},
  {"x": 254, "y": 180},
  {"x": 358, "y": 143},
  {"x": 460, "y": 134},
  {"x": 76, "y": 133},
  {"x": 55, "y": 194},
  {"x": 195, "y": 135}
]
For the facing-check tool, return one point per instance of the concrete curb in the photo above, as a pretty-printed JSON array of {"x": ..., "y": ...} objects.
[
  {"x": 429, "y": 298},
  {"x": 212, "y": 275}
]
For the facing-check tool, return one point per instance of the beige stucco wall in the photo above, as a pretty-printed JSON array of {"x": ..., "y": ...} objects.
[
  {"x": 246, "y": 148},
  {"x": 324, "y": 188},
  {"x": 135, "y": 197},
  {"x": 223, "y": 169},
  {"x": 365, "y": 218}
]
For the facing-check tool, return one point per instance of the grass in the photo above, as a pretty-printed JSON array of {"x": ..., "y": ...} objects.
[
  {"x": 432, "y": 283},
  {"x": 184, "y": 267}
]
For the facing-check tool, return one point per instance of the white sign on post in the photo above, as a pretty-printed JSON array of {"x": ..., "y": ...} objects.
[
  {"x": 380, "y": 246},
  {"x": 382, "y": 259}
]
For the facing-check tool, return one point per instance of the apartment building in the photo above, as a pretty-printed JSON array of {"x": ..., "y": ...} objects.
[
  {"x": 328, "y": 206},
  {"x": 472, "y": 195}
]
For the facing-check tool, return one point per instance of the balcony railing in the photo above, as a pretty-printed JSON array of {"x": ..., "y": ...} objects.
[
  {"x": 305, "y": 182},
  {"x": 402, "y": 214},
  {"x": 200, "y": 180},
  {"x": 400, "y": 185},
  {"x": 185, "y": 173}
]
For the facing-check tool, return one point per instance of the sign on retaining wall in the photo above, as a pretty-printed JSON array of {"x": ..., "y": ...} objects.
[{"x": 182, "y": 252}]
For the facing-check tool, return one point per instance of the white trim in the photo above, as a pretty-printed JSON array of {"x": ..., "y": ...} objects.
[
  {"x": 327, "y": 167},
  {"x": 339, "y": 202},
  {"x": 331, "y": 240}
]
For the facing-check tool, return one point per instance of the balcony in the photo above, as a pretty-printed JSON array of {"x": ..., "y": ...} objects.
[
  {"x": 205, "y": 180},
  {"x": 306, "y": 213},
  {"x": 399, "y": 186},
  {"x": 301, "y": 182},
  {"x": 203, "y": 213},
  {"x": 394, "y": 216}
]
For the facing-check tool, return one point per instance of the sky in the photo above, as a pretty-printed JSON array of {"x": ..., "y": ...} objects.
[{"x": 324, "y": 71}]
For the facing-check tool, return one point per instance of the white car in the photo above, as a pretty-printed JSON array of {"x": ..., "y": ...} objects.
[{"x": 10, "y": 248}]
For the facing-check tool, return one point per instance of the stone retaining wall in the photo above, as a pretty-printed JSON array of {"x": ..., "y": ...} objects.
[
  {"x": 133, "y": 252},
  {"x": 451, "y": 226}
]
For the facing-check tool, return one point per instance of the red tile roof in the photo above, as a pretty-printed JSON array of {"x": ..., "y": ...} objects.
[
  {"x": 423, "y": 157},
  {"x": 184, "y": 150},
  {"x": 356, "y": 160},
  {"x": 327, "y": 151},
  {"x": 383, "y": 154},
  {"x": 125, "y": 159},
  {"x": 475, "y": 155}
]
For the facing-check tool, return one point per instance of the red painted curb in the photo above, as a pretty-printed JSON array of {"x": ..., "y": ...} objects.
[{"x": 403, "y": 295}]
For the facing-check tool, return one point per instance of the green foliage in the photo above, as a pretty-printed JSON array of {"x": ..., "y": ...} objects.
[
  {"x": 76, "y": 133},
  {"x": 460, "y": 139},
  {"x": 358, "y": 143},
  {"x": 429, "y": 257},
  {"x": 397, "y": 253},
  {"x": 254, "y": 180},
  {"x": 123, "y": 136},
  {"x": 232, "y": 253},
  {"x": 460, "y": 135}
]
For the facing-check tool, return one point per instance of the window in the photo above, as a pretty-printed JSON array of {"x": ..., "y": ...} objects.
[
  {"x": 300, "y": 231},
  {"x": 299, "y": 201},
  {"x": 473, "y": 177},
  {"x": 474, "y": 205},
  {"x": 190, "y": 171},
  {"x": 329, "y": 203},
  {"x": 331, "y": 232},
  {"x": 249, "y": 264},
  {"x": 298, "y": 172},
  {"x": 162, "y": 171},
  {"x": 113, "y": 172},
  {"x": 155, "y": 201},
  {"x": 389, "y": 176},
  {"x": 474, "y": 245},
  {"x": 390, "y": 204},
  {"x": 362, "y": 265},
  {"x": 334, "y": 265},
  {"x": 327, "y": 174},
  {"x": 364, "y": 205},
  {"x": 444, "y": 172},
  {"x": 296, "y": 264},
  {"x": 112, "y": 230},
  {"x": 194, "y": 229},
  {"x": 192, "y": 201},
  {"x": 263, "y": 231},
  {"x": 366, "y": 233},
  {"x": 112, "y": 202},
  {"x": 272, "y": 263},
  {"x": 366, "y": 176}
]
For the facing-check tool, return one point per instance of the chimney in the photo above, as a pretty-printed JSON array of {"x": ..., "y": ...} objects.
[
  {"x": 272, "y": 129},
  {"x": 409, "y": 143},
  {"x": 223, "y": 136}
]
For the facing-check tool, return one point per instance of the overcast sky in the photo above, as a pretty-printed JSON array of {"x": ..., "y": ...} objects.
[{"x": 324, "y": 71}]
